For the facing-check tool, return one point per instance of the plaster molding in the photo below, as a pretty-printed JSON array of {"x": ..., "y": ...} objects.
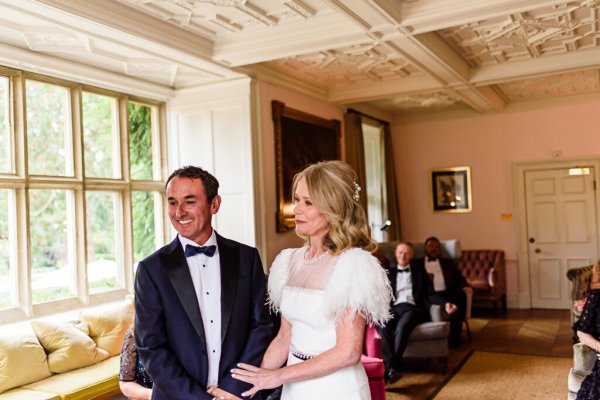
[
  {"x": 429, "y": 15},
  {"x": 319, "y": 33},
  {"x": 57, "y": 40},
  {"x": 61, "y": 68},
  {"x": 483, "y": 99},
  {"x": 379, "y": 90},
  {"x": 561, "y": 63},
  {"x": 276, "y": 78},
  {"x": 114, "y": 19}
]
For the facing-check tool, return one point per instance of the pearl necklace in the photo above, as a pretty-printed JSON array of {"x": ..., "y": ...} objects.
[{"x": 315, "y": 259}]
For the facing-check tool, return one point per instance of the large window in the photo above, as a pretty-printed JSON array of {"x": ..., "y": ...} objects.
[{"x": 81, "y": 181}]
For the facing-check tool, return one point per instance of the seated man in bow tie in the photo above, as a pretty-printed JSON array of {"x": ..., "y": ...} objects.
[
  {"x": 448, "y": 282},
  {"x": 413, "y": 296},
  {"x": 200, "y": 301}
]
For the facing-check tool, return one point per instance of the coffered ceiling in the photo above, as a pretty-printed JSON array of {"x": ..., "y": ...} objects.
[{"x": 398, "y": 56}]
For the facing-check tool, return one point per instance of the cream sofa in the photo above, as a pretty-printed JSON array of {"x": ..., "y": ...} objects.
[{"x": 49, "y": 360}]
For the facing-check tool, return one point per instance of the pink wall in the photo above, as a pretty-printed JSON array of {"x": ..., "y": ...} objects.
[
  {"x": 279, "y": 241},
  {"x": 489, "y": 145}
]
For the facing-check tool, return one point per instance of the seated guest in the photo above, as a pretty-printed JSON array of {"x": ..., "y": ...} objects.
[
  {"x": 449, "y": 283},
  {"x": 413, "y": 296},
  {"x": 588, "y": 332},
  {"x": 133, "y": 379}
]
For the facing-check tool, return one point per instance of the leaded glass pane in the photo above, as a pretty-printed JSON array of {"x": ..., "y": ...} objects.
[
  {"x": 140, "y": 141},
  {"x": 50, "y": 229},
  {"x": 49, "y": 139},
  {"x": 100, "y": 136},
  {"x": 144, "y": 206},
  {"x": 101, "y": 211},
  {"x": 7, "y": 284},
  {"x": 5, "y": 147}
]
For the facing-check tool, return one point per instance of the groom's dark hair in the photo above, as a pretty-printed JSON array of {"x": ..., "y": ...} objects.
[{"x": 211, "y": 184}]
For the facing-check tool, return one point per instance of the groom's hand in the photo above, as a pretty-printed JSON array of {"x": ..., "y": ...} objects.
[{"x": 221, "y": 394}]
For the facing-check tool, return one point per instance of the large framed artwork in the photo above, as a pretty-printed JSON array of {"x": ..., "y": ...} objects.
[
  {"x": 300, "y": 139},
  {"x": 451, "y": 189}
]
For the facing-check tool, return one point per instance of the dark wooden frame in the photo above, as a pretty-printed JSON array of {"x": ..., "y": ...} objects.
[
  {"x": 449, "y": 184},
  {"x": 300, "y": 139}
]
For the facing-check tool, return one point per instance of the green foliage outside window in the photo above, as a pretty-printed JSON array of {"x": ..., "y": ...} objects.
[
  {"x": 140, "y": 141},
  {"x": 5, "y": 289},
  {"x": 4, "y": 127},
  {"x": 47, "y": 129},
  {"x": 99, "y": 126},
  {"x": 143, "y": 224}
]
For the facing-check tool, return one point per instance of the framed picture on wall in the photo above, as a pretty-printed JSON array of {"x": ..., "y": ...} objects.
[
  {"x": 451, "y": 189},
  {"x": 300, "y": 139}
]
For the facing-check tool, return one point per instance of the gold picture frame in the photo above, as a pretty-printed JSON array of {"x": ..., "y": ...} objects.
[
  {"x": 300, "y": 139},
  {"x": 451, "y": 189}
]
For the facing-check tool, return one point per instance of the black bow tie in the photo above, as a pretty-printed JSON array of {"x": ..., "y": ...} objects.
[
  {"x": 191, "y": 250},
  {"x": 403, "y": 269}
]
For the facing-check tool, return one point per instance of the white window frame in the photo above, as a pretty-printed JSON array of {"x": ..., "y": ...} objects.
[{"x": 18, "y": 181}]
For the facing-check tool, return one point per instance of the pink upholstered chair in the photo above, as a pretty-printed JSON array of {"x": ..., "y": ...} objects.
[{"x": 373, "y": 362}]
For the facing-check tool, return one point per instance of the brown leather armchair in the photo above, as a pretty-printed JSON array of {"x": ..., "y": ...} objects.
[
  {"x": 581, "y": 282},
  {"x": 485, "y": 271}
]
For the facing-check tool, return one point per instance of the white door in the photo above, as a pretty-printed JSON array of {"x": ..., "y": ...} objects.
[{"x": 561, "y": 229}]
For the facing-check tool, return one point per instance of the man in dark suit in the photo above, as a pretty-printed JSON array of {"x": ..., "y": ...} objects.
[
  {"x": 200, "y": 300},
  {"x": 448, "y": 282},
  {"x": 413, "y": 296}
]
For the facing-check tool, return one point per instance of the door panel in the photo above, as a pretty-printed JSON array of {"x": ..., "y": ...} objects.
[{"x": 562, "y": 231}]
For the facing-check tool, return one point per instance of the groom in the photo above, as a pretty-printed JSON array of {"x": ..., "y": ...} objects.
[{"x": 200, "y": 300}]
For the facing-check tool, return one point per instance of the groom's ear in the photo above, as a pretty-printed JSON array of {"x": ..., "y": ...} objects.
[{"x": 215, "y": 204}]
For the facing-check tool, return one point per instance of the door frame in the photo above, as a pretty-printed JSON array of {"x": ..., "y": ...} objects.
[{"x": 520, "y": 201}]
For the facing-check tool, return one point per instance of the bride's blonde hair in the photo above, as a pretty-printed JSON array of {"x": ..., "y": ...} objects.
[{"x": 334, "y": 191}]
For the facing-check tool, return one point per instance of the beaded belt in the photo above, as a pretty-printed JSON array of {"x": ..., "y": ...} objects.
[{"x": 300, "y": 355}]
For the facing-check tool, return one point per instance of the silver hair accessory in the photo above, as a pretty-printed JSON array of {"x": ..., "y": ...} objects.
[{"x": 356, "y": 194}]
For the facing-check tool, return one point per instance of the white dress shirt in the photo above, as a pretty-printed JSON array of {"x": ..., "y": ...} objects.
[
  {"x": 206, "y": 277},
  {"x": 434, "y": 268},
  {"x": 404, "y": 293}
]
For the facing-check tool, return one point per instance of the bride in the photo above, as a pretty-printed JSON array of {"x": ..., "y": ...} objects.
[{"x": 325, "y": 292}]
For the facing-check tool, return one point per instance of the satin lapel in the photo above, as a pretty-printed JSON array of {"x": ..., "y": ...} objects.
[
  {"x": 230, "y": 264},
  {"x": 179, "y": 274},
  {"x": 393, "y": 273}
]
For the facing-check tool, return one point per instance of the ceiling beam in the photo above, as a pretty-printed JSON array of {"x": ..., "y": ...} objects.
[
  {"x": 482, "y": 99},
  {"x": 431, "y": 15},
  {"x": 384, "y": 89},
  {"x": 548, "y": 65},
  {"x": 316, "y": 34}
]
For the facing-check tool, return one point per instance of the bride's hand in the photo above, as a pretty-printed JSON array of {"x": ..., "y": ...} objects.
[{"x": 261, "y": 378}]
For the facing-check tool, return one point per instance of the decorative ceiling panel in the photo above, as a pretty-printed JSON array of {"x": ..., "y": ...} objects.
[
  {"x": 357, "y": 64},
  {"x": 581, "y": 82},
  {"x": 536, "y": 33},
  {"x": 399, "y": 56},
  {"x": 56, "y": 40},
  {"x": 214, "y": 18}
]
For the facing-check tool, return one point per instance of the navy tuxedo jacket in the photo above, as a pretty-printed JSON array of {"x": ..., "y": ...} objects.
[
  {"x": 422, "y": 287},
  {"x": 169, "y": 333}
]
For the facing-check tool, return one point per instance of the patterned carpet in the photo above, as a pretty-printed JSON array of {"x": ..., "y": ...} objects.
[{"x": 489, "y": 375}]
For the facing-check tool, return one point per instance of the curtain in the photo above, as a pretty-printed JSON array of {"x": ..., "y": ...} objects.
[
  {"x": 355, "y": 151},
  {"x": 393, "y": 231}
]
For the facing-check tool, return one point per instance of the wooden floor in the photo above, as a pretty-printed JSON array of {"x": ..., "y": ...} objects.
[{"x": 536, "y": 332}]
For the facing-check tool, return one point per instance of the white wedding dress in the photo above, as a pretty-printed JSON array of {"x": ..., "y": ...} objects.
[{"x": 312, "y": 298}]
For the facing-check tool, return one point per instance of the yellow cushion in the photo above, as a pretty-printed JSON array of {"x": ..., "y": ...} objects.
[
  {"x": 83, "y": 383},
  {"x": 22, "y": 358},
  {"x": 28, "y": 394},
  {"x": 107, "y": 324},
  {"x": 67, "y": 347}
]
